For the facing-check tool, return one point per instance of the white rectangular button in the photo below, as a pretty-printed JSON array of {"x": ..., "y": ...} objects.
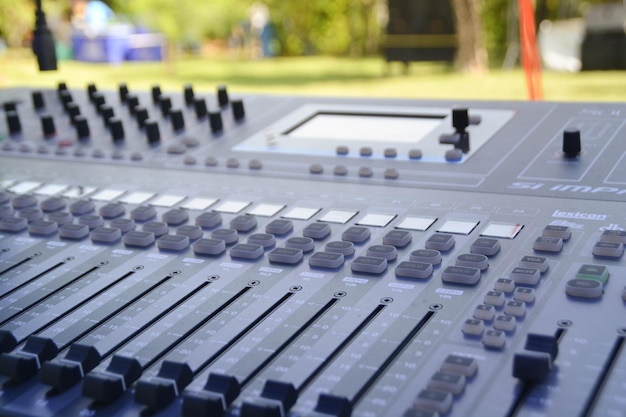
[
  {"x": 107, "y": 194},
  {"x": 167, "y": 200},
  {"x": 51, "y": 189},
  {"x": 416, "y": 223},
  {"x": 199, "y": 203},
  {"x": 232, "y": 206},
  {"x": 300, "y": 213},
  {"x": 338, "y": 216},
  {"x": 137, "y": 197},
  {"x": 24, "y": 187},
  {"x": 376, "y": 220},
  {"x": 458, "y": 227},
  {"x": 266, "y": 210}
]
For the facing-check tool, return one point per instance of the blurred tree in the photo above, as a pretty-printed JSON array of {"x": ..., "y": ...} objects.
[
  {"x": 16, "y": 22},
  {"x": 472, "y": 52}
]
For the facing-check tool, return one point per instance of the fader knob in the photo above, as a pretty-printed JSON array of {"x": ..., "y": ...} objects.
[
  {"x": 571, "y": 142},
  {"x": 107, "y": 114},
  {"x": 133, "y": 102},
  {"x": 239, "y": 112},
  {"x": 141, "y": 114},
  {"x": 38, "y": 102},
  {"x": 189, "y": 94},
  {"x": 165, "y": 104},
  {"x": 73, "y": 111},
  {"x": 9, "y": 106},
  {"x": 460, "y": 118},
  {"x": 215, "y": 121},
  {"x": 222, "y": 96},
  {"x": 47, "y": 125},
  {"x": 13, "y": 121},
  {"x": 61, "y": 87},
  {"x": 98, "y": 101},
  {"x": 156, "y": 94},
  {"x": 82, "y": 127},
  {"x": 123, "y": 91},
  {"x": 117, "y": 129},
  {"x": 152, "y": 132},
  {"x": 178, "y": 122},
  {"x": 91, "y": 89},
  {"x": 66, "y": 98}
]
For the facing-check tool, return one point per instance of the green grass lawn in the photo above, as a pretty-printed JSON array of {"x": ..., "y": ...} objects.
[{"x": 318, "y": 76}]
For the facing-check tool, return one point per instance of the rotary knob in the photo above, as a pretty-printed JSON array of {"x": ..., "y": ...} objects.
[
  {"x": 13, "y": 121},
  {"x": 189, "y": 94},
  {"x": 47, "y": 126},
  {"x": 571, "y": 142},
  {"x": 222, "y": 96},
  {"x": 153, "y": 134},
  {"x": 239, "y": 112},
  {"x": 215, "y": 122}
]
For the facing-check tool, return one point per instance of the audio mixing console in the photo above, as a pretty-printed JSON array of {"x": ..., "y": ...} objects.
[{"x": 202, "y": 255}]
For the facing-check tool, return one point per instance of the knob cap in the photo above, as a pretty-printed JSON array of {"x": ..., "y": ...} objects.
[
  {"x": 239, "y": 112},
  {"x": 177, "y": 119},
  {"x": 73, "y": 111},
  {"x": 66, "y": 98},
  {"x": 571, "y": 142},
  {"x": 91, "y": 89},
  {"x": 152, "y": 132},
  {"x": 200, "y": 107},
  {"x": 141, "y": 114},
  {"x": 189, "y": 94},
  {"x": 156, "y": 94},
  {"x": 460, "y": 119},
  {"x": 47, "y": 125},
  {"x": 82, "y": 127},
  {"x": 62, "y": 86},
  {"x": 222, "y": 96},
  {"x": 107, "y": 114},
  {"x": 215, "y": 121},
  {"x": 132, "y": 101},
  {"x": 9, "y": 106},
  {"x": 123, "y": 91},
  {"x": 98, "y": 101},
  {"x": 165, "y": 104},
  {"x": 117, "y": 129},
  {"x": 13, "y": 121},
  {"x": 38, "y": 101}
]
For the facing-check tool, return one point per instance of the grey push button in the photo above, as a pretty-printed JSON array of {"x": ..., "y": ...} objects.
[
  {"x": 515, "y": 308},
  {"x": 80, "y": 207},
  {"x": 506, "y": 285},
  {"x": 6, "y": 211},
  {"x": 173, "y": 242},
  {"x": 326, "y": 260},
  {"x": 316, "y": 230},
  {"x": 105, "y": 235},
  {"x": 370, "y": 265},
  {"x": 125, "y": 225},
  {"x": 209, "y": 246},
  {"x": 42, "y": 227},
  {"x": 305, "y": 244},
  {"x": 356, "y": 234},
  {"x": 387, "y": 252},
  {"x": 227, "y": 235},
  {"x": 473, "y": 260},
  {"x": 158, "y": 228},
  {"x": 288, "y": 256},
  {"x": 243, "y": 223},
  {"x": 60, "y": 217},
  {"x": 209, "y": 219},
  {"x": 524, "y": 294},
  {"x": 618, "y": 236},
  {"x": 418, "y": 270},
  {"x": 608, "y": 249},
  {"x": 193, "y": 232},
  {"x": 448, "y": 382},
  {"x": 397, "y": 238},
  {"x": 112, "y": 210},
  {"x": 440, "y": 242},
  {"x": 494, "y": 298},
  {"x": 460, "y": 364},
  {"x": 91, "y": 221},
  {"x": 246, "y": 251},
  {"x": 53, "y": 204},
  {"x": 73, "y": 231},
  {"x": 279, "y": 227},
  {"x": 562, "y": 232},
  {"x": 430, "y": 256},
  {"x": 264, "y": 239},
  {"x": 537, "y": 262},
  {"x": 484, "y": 312},
  {"x": 584, "y": 288},
  {"x": 548, "y": 244},
  {"x": 139, "y": 239},
  {"x": 22, "y": 201},
  {"x": 461, "y": 275},
  {"x": 143, "y": 213},
  {"x": 434, "y": 400},
  {"x": 485, "y": 246},
  {"x": 344, "y": 248},
  {"x": 525, "y": 276},
  {"x": 494, "y": 339},
  {"x": 473, "y": 327},
  {"x": 30, "y": 214},
  {"x": 504, "y": 323},
  {"x": 174, "y": 217}
]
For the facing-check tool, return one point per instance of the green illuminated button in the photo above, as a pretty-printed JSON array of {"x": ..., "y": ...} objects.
[{"x": 597, "y": 272}]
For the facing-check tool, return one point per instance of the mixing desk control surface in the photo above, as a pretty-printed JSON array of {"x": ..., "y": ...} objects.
[{"x": 204, "y": 255}]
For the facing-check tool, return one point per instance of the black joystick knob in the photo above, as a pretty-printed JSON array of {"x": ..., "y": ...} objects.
[
  {"x": 117, "y": 129},
  {"x": 571, "y": 142},
  {"x": 177, "y": 119},
  {"x": 215, "y": 121},
  {"x": 13, "y": 121},
  {"x": 82, "y": 128},
  {"x": 38, "y": 102},
  {"x": 189, "y": 94},
  {"x": 460, "y": 119},
  {"x": 141, "y": 114},
  {"x": 200, "y": 107},
  {"x": 239, "y": 112},
  {"x": 222, "y": 96},
  {"x": 156, "y": 94},
  {"x": 152, "y": 132},
  {"x": 123, "y": 90},
  {"x": 47, "y": 125}
]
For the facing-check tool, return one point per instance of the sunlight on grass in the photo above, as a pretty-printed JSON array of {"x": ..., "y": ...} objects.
[{"x": 317, "y": 76}]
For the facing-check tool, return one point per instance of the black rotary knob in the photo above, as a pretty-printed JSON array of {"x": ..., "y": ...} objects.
[
  {"x": 123, "y": 91},
  {"x": 189, "y": 94},
  {"x": 199, "y": 104},
  {"x": 571, "y": 142},
  {"x": 91, "y": 89},
  {"x": 177, "y": 119},
  {"x": 222, "y": 96},
  {"x": 156, "y": 94},
  {"x": 107, "y": 113},
  {"x": 38, "y": 101},
  {"x": 152, "y": 132},
  {"x": 215, "y": 121},
  {"x": 13, "y": 121},
  {"x": 239, "y": 112},
  {"x": 141, "y": 114},
  {"x": 82, "y": 128},
  {"x": 72, "y": 111},
  {"x": 98, "y": 101},
  {"x": 165, "y": 104},
  {"x": 47, "y": 125},
  {"x": 66, "y": 98},
  {"x": 117, "y": 129}
]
